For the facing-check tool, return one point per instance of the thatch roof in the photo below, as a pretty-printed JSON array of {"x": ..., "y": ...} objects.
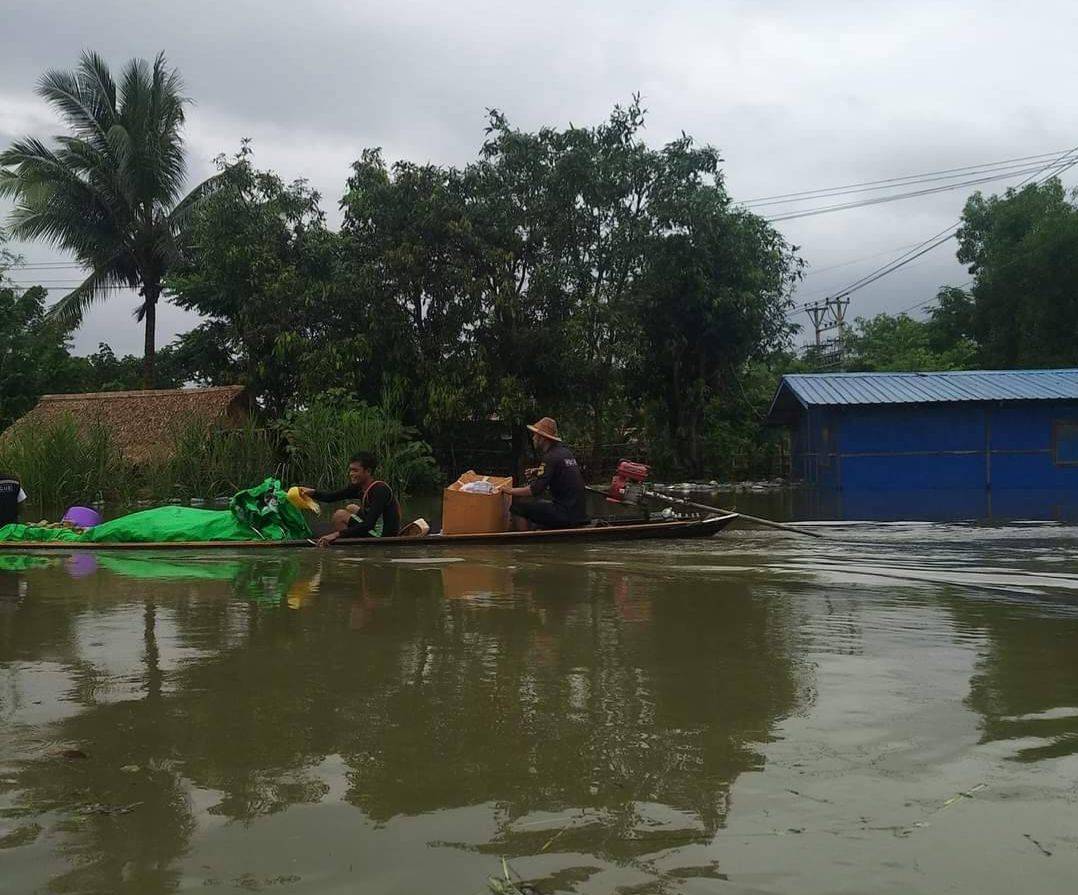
[{"x": 141, "y": 423}]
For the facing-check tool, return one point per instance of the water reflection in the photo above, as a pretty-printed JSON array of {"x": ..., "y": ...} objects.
[
  {"x": 587, "y": 712},
  {"x": 531, "y": 686},
  {"x": 1025, "y": 685},
  {"x": 926, "y": 505}
]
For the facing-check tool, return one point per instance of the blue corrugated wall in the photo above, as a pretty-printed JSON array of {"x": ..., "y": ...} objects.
[{"x": 969, "y": 447}]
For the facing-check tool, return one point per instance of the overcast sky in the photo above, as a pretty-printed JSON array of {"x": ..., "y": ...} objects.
[{"x": 796, "y": 96}]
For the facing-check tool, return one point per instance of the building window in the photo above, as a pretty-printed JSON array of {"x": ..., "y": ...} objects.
[{"x": 1065, "y": 442}]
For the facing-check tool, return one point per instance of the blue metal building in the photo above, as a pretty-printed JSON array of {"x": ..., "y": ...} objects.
[{"x": 973, "y": 435}]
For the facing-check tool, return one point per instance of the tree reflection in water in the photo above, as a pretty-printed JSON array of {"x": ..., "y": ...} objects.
[
  {"x": 1025, "y": 686},
  {"x": 626, "y": 699}
]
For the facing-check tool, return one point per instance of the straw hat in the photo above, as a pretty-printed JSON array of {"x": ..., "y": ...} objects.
[
  {"x": 546, "y": 427},
  {"x": 301, "y": 501}
]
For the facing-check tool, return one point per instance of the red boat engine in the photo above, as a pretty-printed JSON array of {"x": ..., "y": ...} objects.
[{"x": 627, "y": 486}]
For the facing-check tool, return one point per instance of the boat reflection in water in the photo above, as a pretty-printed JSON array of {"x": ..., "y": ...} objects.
[
  {"x": 485, "y": 703},
  {"x": 604, "y": 718}
]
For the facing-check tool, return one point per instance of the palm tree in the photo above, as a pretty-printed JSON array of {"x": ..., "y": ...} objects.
[{"x": 109, "y": 191}]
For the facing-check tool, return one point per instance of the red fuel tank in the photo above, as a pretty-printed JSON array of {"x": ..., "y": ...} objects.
[{"x": 627, "y": 486}]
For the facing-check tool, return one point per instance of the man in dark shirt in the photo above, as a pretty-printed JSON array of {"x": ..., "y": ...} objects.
[
  {"x": 377, "y": 515},
  {"x": 11, "y": 495},
  {"x": 559, "y": 474}
]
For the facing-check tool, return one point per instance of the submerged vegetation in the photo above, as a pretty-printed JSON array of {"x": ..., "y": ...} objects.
[
  {"x": 61, "y": 462},
  {"x": 319, "y": 440}
]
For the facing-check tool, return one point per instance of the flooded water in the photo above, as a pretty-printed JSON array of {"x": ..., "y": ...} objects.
[{"x": 892, "y": 710}]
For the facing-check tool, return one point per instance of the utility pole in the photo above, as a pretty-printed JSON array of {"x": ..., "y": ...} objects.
[
  {"x": 818, "y": 313},
  {"x": 830, "y": 316}
]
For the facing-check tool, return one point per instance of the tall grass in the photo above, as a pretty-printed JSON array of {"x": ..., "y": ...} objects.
[
  {"x": 58, "y": 462},
  {"x": 320, "y": 439},
  {"x": 61, "y": 463},
  {"x": 215, "y": 463}
]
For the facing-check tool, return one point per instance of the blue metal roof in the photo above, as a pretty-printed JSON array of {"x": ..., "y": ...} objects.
[{"x": 829, "y": 389}]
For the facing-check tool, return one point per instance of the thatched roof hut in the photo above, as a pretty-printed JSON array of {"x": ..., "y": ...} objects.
[{"x": 142, "y": 423}]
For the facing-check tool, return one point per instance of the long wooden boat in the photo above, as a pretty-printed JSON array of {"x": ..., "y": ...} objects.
[{"x": 616, "y": 530}]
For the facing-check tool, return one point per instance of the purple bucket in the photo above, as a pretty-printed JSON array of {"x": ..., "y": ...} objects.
[{"x": 83, "y": 517}]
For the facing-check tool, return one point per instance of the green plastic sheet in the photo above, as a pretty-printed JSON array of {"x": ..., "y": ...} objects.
[{"x": 259, "y": 513}]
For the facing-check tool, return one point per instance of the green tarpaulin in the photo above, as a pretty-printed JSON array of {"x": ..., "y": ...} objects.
[{"x": 259, "y": 513}]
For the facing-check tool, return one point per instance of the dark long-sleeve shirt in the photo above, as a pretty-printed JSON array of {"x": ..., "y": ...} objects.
[
  {"x": 560, "y": 475},
  {"x": 11, "y": 495},
  {"x": 378, "y": 503}
]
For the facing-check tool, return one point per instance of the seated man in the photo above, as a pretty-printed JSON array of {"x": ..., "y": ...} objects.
[
  {"x": 558, "y": 473},
  {"x": 376, "y": 515},
  {"x": 341, "y": 519}
]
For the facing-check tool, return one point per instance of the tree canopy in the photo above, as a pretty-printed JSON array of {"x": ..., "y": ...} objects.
[
  {"x": 568, "y": 271},
  {"x": 1022, "y": 251},
  {"x": 577, "y": 273}
]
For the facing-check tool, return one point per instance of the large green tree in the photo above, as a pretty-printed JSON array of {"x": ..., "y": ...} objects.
[
  {"x": 408, "y": 247},
  {"x": 264, "y": 272},
  {"x": 523, "y": 347},
  {"x": 713, "y": 298},
  {"x": 573, "y": 272},
  {"x": 33, "y": 353},
  {"x": 1022, "y": 250},
  {"x": 897, "y": 343},
  {"x": 575, "y": 208},
  {"x": 111, "y": 190}
]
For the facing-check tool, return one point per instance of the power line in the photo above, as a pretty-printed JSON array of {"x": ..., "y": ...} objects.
[
  {"x": 833, "y": 194},
  {"x": 1052, "y": 169},
  {"x": 1058, "y": 165},
  {"x": 1021, "y": 256},
  {"x": 1025, "y": 158},
  {"x": 819, "y": 270},
  {"x": 51, "y": 284},
  {"x": 998, "y": 170},
  {"x": 880, "y": 200},
  {"x": 45, "y": 265},
  {"x": 919, "y": 304}
]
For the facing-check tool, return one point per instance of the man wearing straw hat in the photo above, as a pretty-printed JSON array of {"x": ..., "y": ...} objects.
[{"x": 559, "y": 474}]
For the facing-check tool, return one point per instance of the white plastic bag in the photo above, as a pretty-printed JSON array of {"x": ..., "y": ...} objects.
[{"x": 478, "y": 488}]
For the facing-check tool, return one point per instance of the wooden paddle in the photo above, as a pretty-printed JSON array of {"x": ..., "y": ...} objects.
[{"x": 680, "y": 501}]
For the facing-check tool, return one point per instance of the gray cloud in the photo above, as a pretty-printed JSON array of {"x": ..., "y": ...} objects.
[{"x": 797, "y": 96}]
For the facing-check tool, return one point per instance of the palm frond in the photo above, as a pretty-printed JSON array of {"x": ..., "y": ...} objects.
[
  {"x": 152, "y": 110},
  {"x": 83, "y": 99},
  {"x": 168, "y": 117},
  {"x": 36, "y": 172},
  {"x": 9, "y": 184},
  {"x": 95, "y": 71},
  {"x": 180, "y": 216},
  {"x": 70, "y": 309},
  {"x": 55, "y": 203}
]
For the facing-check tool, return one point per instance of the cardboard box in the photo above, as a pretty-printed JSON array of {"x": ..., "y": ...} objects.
[{"x": 466, "y": 514}]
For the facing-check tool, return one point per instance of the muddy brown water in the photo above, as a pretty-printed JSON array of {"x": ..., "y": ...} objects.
[{"x": 894, "y": 710}]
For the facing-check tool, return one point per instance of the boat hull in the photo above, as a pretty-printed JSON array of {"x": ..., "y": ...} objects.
[{"x": 676, "y": 530}]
